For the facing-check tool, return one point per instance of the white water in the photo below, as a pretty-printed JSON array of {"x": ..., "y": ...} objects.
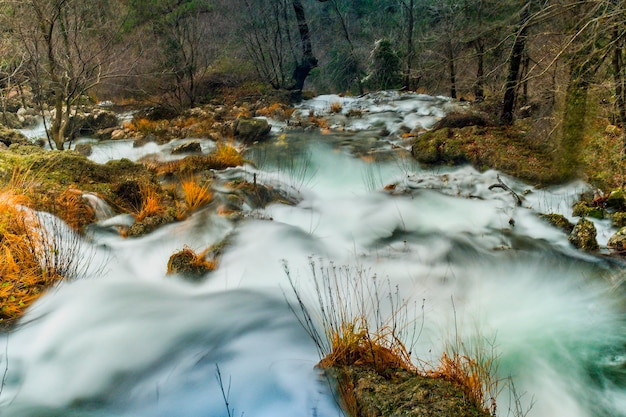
[{"x": 129, "y": 341}]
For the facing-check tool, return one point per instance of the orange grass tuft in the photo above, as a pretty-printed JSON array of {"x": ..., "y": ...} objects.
[
  {"x": 352, "y": 344},
  {"x": 476, "y": 377},
  {"x": 74, "y": 210},
  {"x": 226, "y": 155},
  {"x": 335, "y": 107},
  {"x": 24, "y": 277},
  {"x": 196, "y": 195},
  {"x": 151, "y": 203}
]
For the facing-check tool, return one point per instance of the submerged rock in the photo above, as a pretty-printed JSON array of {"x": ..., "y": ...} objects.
[{"x": 584, "y": 235}]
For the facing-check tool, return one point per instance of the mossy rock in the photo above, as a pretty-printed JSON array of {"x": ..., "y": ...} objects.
[
  {"x": 559, "y": 221},
  {"x": 616, "y": 200},
  {"x": 251, "y": 130},
  {"x": 460, "y": 120},
  {"x": 584, "y": 209},
  {"x": 189, "y": 265},
  {"x": 151, "y": 223},
  {"x": 9, "y": 136},
  {"x": 618, "y": 219},
  {"x": 617, "y": 242},
  {"x": 584, "y": 236},
  {"x": 507, "y": 150},
  {"x": 401, "y": 393}
]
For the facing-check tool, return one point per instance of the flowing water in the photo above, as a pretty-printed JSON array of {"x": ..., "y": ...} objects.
[{"x": 472, "y": 266}]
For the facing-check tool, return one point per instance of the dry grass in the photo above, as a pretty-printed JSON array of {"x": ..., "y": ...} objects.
[
  {"x": 196, "y": 195},
  {"x": 336, "y": 107},
  {"x": 226, "y": 155},
  {"x": 151, "y": 203},
  {"x": 24, "y": 273},
  {"x": 353, "y": 330},
  {"x": 475, "y": 376},
  {"x": 73, "y": 209},
  {"x": 350, "y": 330}
]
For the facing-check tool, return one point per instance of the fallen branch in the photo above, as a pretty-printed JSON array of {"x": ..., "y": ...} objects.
[{"x": 505, "y": 187}]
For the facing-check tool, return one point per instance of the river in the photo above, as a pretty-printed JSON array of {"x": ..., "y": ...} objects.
[{"x": 472, "y": 267}]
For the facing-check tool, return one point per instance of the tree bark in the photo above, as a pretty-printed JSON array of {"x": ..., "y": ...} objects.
[
  {"x": 308, "y": 61},
  {"x": 515, "y": 63}
]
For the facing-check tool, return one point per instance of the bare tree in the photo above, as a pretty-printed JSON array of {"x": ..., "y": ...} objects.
[{"x": 68, "y": 45}]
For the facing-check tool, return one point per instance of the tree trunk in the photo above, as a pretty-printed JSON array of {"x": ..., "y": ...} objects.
[
  {"x": 409, "y": 45},
  {"x": 573, "y": 124},
  {"x": 479, "y": 86},
  {"x": 618, "y": 79},
  {"x": 515, "y": 63},
  {"x": 308, "y": 62},
  {"x": 451, "y": 69}
]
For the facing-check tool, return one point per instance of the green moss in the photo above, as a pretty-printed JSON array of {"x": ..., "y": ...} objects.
[
  {"x": 584, "y": 209},
  {"x": 558, "y": 220},
  {"x": 507, "y": 150}
]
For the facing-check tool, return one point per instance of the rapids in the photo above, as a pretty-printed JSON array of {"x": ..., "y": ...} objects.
[{"x": 127, "y": 340}]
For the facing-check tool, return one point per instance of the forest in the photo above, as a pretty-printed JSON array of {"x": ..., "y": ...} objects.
[{"x": 562, "y": 61}]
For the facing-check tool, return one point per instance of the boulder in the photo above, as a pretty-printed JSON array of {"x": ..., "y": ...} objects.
[
  {"x": 584, "y": 209},
  {"x": 84, "y": 149},
  {"x": 616, "y": 200},
  {"x": 584, "y": 235},
  {"x": 10, "y": 136},
  {"x": 118, "y": 134},
  {"x": 189, "y": 147},
  {"x": 189, "y": 264},
  {"x": 617, "y": 242},
  {"x": 559, "y": 221},
  {"x": 251, "y": 130}
]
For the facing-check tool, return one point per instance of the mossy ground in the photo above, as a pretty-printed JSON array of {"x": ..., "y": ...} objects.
[
  {"x": 515, "y": 150},
  {"x": 398, "y": 392}
]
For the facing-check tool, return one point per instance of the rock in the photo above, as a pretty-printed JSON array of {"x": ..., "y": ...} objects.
[
  {"x": 618, "y": 219},
  {"x": 617, "y": 242},
  {"x": 118, "y": 134},
  {"x": 400, "y": 393},
  {"x": 84, "y": 149},
  {"x": 105, "y": 134},
  {"x": 459, "y": 120},
  {"x": 150, "y": 224},
  {"x": 140, "y": 141},
  {"x": 101, "y": 119},
  {"x": 129, "y": 192},
  {"x": 9, "y": 136},
  {"x": 584, "y": 235},
  {"x": 559, "y": 221},
  {"x": 251, "y": 130},
  {"x": 189, "y": 147},
  {"x": 616, "y": 200},
  {"x": 189, "y": 265},
  {"x": 584, "y": 209}
]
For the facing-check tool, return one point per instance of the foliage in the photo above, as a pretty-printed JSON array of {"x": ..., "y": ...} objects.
[{"x": 384, "y": 71}]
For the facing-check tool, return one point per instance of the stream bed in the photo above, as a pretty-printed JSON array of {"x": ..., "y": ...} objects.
[{"x": 472, "y": 267}]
